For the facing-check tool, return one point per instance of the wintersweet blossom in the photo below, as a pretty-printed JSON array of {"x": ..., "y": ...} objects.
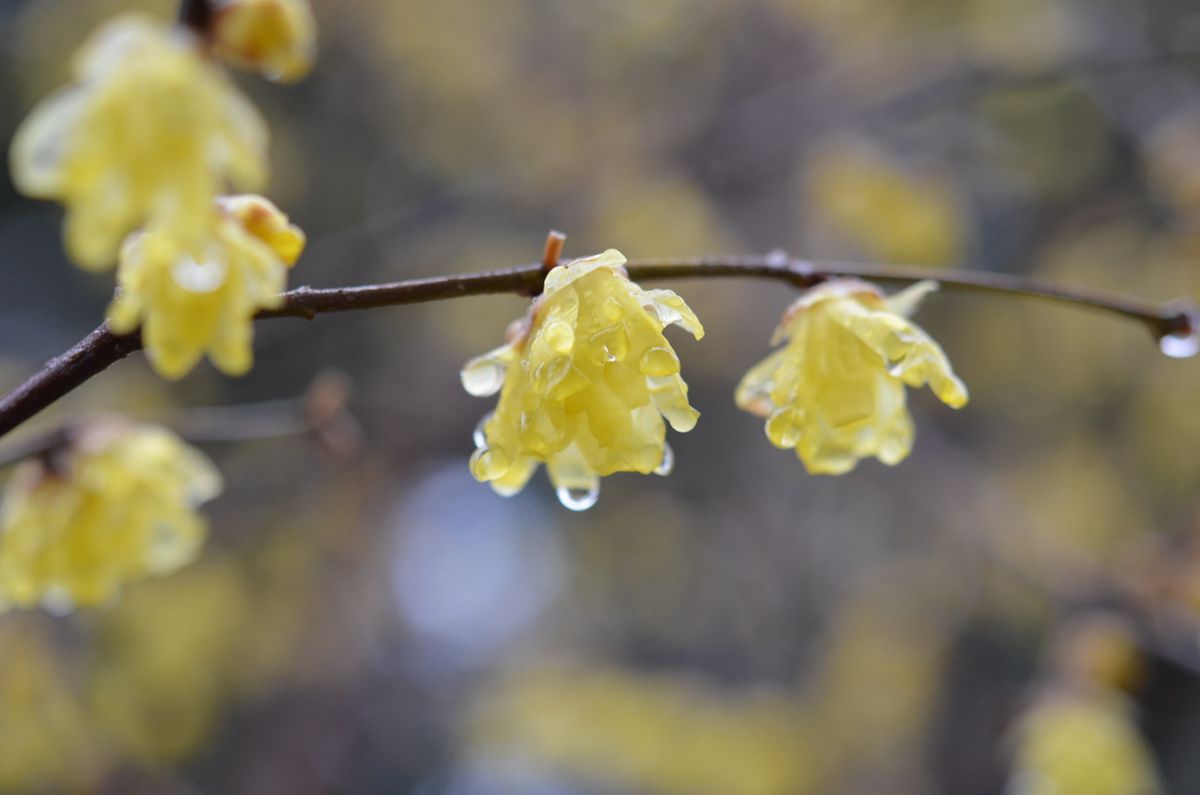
[
  {"x": 190, "y": 301},
  {"x": 277, "y": 38},
  {"x": 585, "y": 381},
  {"x": 150, "y": 133},
  {"x": 117, "y": 505},
  {"x": 835, "y": 392},
  {"x": 1082, "y": 744}
]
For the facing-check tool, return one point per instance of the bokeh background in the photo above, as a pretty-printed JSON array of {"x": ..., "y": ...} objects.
[{"x": 1022, "y": 594}]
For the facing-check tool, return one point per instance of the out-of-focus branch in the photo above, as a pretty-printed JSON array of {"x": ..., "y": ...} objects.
[
  {"x": 321, "y": 412},
  {"x": 196, "y": 15},
  {"x": 102, "y": 348}
]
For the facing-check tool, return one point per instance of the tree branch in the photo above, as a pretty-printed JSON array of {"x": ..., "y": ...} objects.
[
  {"x": 102, "y": 348},
  {"x": 197, "y": 15}
]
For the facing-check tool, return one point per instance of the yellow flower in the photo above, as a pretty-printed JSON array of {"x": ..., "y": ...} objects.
[
  {"x": 586, "y": 379},
  {"x": 277, "y": 38},
  {"x": 151, "y": 132},
  {"x": 189, "y": 301},
  {"x": 862, "y": 196},
  {"x": 835, "y": 392},
  {"x": 116, "y": 506},
  {"x": 1072, "y": 744}
]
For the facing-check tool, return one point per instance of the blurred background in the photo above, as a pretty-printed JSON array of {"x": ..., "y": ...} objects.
[{"x": 1016, "y": 608}]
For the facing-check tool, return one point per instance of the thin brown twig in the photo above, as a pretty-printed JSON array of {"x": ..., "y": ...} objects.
[{"x": 102, "y": 348}]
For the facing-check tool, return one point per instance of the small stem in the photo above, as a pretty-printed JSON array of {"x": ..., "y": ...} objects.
[
  {"x": 102, "y": 348},
  {"x": 553, "y": 250}
]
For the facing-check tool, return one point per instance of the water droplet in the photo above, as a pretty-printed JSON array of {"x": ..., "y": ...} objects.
[
  {"x": 489, "y": 463},
  {"x": 482, "y": 377},
  {"x": 784, "y": 429},
  {"x": 578, "y": 499},
  {"x": 668, "y": 461},
  {"x": 1180, "y": 346},
  {"x": 57, "y": 600},
  {"x": 479, "y": 436},
  {"x": 613, "y": 342},
  {"x": 198, "y": 277},
  {"x": 560, "y": 337}
]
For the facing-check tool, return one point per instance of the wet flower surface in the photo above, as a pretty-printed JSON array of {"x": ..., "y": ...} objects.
[
  {"x": 585, "y": 384},
  {"x": 836, "y": 391}
]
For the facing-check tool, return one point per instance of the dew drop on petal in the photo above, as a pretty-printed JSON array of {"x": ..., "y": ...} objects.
[
  {"x": 574, "y": 499},
  {"x": 1180, "y": 346},
  {"x": 560, "y": 337},
  {"x": 668, "y": 461}
]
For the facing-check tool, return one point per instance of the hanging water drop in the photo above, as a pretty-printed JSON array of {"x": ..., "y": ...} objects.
[
  {"x": 668, "y": 461},
  {"x": 483, "y": 376},
  {"x": 578, "y": 499},
  {"x": 1184, "y": 341},
  {"x": 479, "y": 436},
  {"x": 1180, "y": 346}
]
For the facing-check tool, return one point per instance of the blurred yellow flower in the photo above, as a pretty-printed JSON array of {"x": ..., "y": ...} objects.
[
  {"x": 189, "y": 301},
  {"x": 835, "y": 392},
  {"x": 117, "y": 506},
  {"x": 151, "y": 132},
  {"x": 862, "y": 196},
  {"x": 586, "y": 379},
  {"x": 666, "y": 734},
  {"x": 42, "y": 722},
  {"x": 277, "y": 38},
  {"x": 1073, "y": 744}
]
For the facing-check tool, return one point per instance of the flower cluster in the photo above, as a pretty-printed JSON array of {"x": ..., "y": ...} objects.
[
  {"x": 117, "y": 505},
  {"x": 585, "y": 382},
  {"x": 141, "y": 148},
  {"x": 151, "y": 132}
]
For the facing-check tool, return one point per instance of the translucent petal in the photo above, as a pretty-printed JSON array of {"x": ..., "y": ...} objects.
[
  {"x": 42, "y": 142},
  {"x": 565, "y": 274},
  {"x": 906, "y": 302},
  {"x": 670, "y": 309}
]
